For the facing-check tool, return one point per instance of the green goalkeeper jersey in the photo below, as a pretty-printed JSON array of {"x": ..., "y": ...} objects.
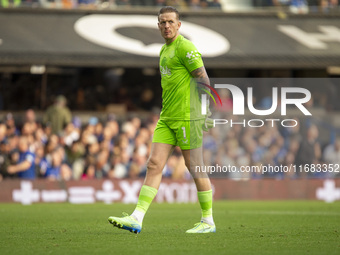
[{"x": 180, "y": 96}]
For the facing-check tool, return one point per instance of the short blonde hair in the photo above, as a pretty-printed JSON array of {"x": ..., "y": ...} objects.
[{"x": 167, "y": 9}]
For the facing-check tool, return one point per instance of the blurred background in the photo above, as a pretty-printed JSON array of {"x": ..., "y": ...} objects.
[{"x": 80, "y": 90}]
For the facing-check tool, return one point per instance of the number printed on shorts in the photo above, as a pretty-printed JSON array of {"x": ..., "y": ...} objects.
[{"x": 184, "y": 133}]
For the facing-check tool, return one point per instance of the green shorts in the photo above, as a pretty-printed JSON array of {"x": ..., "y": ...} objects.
[{"x": 187, "y": 134}]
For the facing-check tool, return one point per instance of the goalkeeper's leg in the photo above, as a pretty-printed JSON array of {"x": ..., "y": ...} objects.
[
  {"x": 159, "y": 155},
  {"x": 194, "y": 158}
]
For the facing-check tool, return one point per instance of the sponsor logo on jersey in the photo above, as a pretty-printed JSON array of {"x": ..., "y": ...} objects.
[
  {"x": 165, "y": 70},
  {"x": 192, "y": 56}
]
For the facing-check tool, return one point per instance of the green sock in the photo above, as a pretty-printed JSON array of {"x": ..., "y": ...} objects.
[
  {"x": 205, "y": 199},
  {"x": 145, "y": 198}
]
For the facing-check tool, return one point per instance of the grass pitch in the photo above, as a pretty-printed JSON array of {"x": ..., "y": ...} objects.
[{"x": 243, "y": 227}]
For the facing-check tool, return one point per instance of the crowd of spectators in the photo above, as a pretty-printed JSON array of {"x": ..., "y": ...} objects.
[
  {"x": 79, "y": 151},
  {"x": 288, "y": 152},
  {"x": 271, "y": 151},
  {"x": 295, "y": 6},
  {"x": 300, "y": 6},
  {"x": 112, "y": 148},
  {"x": 102, "y": 4}
]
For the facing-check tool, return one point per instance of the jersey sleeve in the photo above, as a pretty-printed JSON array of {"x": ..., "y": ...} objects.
[{"x": 190, "y": 57}]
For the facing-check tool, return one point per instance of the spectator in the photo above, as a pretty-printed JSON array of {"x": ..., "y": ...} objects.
[
  {"x": 58, "y": 115},
  {"x": 57, "y": 170},
  {"x": 86, "y": 3},
  {"x": 289, "y": 163},
  {"x": 309, "y": 150},
  {"x": 160, "y": 3},
  {"x": 295, "y": 6},
  {"x": 71, "y": 134},
  {"x": 195, "y": 4},
  {"x": 25, "y": 167},
  {"x": 331, "y": 154},
  {"x": 299, "y": 6},
  {"x": 75, "y": 155},
  {"x": 129, "y": 131},
  {"x": 215, "y": 4},
  {"x": 102, "y": 165},
  {"x": 3, "y": 132},
  {"x": 119, "y": 169},
  {"x": 92, "y": 149},
  {"x": 4, "y": 157},
  {"x": 108, "y": 140},
  {"x": 40, "y": 161},
  {"x": 31, "y": 118},
  {"x": 98, "y": 132},
  {"x": 175, "y": 168},
  {"x": 139, "y": 160},
  {"x": 327, "y": 5},
  {"x": 11, "y": 126},
  {"x": 52, "y": 144}
]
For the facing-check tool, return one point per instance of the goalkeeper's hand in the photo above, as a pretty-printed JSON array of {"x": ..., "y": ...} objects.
[
  {"x": 208, "y": 113},
  {"x": 208, "y": 123}
]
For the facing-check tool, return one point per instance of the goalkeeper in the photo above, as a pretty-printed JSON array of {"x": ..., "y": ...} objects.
[{"x": 180, "y": 124}]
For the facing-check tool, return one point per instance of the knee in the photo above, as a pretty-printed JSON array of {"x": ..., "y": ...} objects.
[{"x": 154, "y": 165}]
